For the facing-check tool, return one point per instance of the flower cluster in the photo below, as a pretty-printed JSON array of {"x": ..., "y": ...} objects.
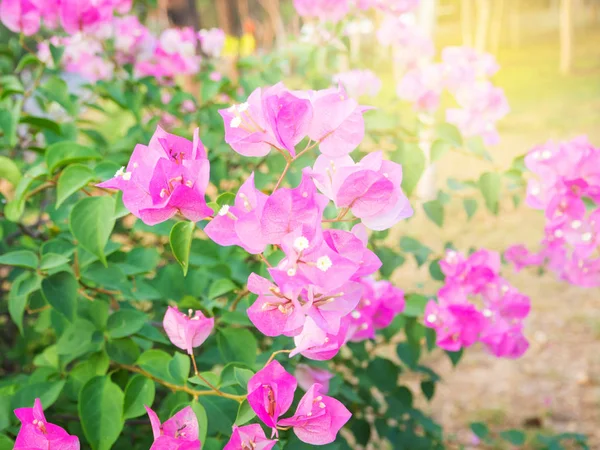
[
  {"x": 359, "y": 82},
  {"x": 212, "y": 41},
  {"x": 326, "y": 10},
  {"x": 36, "y": 432},
  {"x": 567, "y": 189},
  {"x": 317, "y": 419},
  {"x": 477, "y": 305},
  {"x": 26, "y": 16}
]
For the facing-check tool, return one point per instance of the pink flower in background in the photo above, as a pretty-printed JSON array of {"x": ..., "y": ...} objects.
[
  {"x": 463, "y": 66},
  {"x": 187, "y": 331},
  {"x": 483, "y": 104},
  {"x": 180, "y": 432},
  {"x": 359, "y": 82},
  {"x": 249, "y": 437},
  {"x": 270, "y": 117},
  {"x": 422, "y": 87},
  {"x": 37, "y": 433},
  {"x": 84, "y": 15},
  {"x": 567, "y": 188},
  {"x": 413, "y": 47},
  {"x": 308, "y": 375},
  {"x": 271, "y": 393},
  {"x": 167, "y": 177},
  {"x": 318, "y": 418},
  {"x": 477, "y": 305},
  {"x": 325, "y": 10},
  {"x": 395, "y": 6},
  {"x": 212, "y": 41},
  {"x": 379, "y": 305},
  {"x": 21, "y": 16},
  {"x": 132, "y": 39},
  {"x": 371, "y": 189},
  {"x": 174, "y": 54}
]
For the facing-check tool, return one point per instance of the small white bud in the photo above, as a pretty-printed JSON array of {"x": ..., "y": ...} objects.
[
  {"x": 324, "y": 263},
  {"x": 586, "y": 237},
  {"x": 431, "y": 318},
  {"x": 576, "y": 224},
  {"x": 243, "y": 107},
  {"x": 235, "y": 122},
  {"x": 291, "y": 272},
  {"x": 355, "y": 314},
  {"x": 224, "y": 210},
  {"x": 301, "y": 243},
  {"x": 127, "y": 176}
]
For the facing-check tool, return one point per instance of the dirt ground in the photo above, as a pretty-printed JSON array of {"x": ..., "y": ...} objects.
[{"x": 557, "y": 382}]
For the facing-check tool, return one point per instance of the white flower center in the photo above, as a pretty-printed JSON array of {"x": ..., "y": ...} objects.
[
  {"x": 355, "y": 314},
  {"x": 236, "y": 122},
  {"x": 586, "y": 237},
  {"x": 431, "y": 318},
  {"x": 243, "y": 107},
  {"x": 300, "y": 243},
  {"x": 291, "y": 272},
  {"x": 324, "y": 263},
  {"x": 224, "y": 210}
]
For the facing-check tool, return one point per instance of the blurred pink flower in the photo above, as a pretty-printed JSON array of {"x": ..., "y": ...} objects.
[{"x": 187, "y": 331}]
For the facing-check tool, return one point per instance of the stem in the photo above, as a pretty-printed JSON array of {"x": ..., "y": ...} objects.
[
  {"x": 193, "y": 358},
  {"x": 275, "y": 354},
  {"x": 240, "y": 296},
  {"x": 174, "y": 387},
  {"x": 306, "y": 149},
  {"x": 261, "y": 256},
  {"x": 282, "y": 176},
  {"x": 40, "y": 188}
]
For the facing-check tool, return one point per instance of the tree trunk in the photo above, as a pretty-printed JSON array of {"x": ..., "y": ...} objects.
[
  {"x": 496, "y": 26},
  {"x": 484, "y": 10},
  {"x": 566, "y": 36},
  {"x": 514, "y": 25},
  {"x": 466, "y": 22}
]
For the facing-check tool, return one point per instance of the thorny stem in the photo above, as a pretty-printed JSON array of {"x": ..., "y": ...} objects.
[
  {"x": 174, "y": 387},
  {"x": 275, "y": 354}
]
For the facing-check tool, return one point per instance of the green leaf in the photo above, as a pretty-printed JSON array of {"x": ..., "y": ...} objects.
[
  {"x": 123, "y": 351},
  {"x": 202, "y": 420},
  {"x": 515, "y": 437},
  {"x": 52, "y": 261},
  {"x": 179, "y": 368},
  {"x": 156, "y": 362},
  {"x": 245, "y": 414},
  {"x": 20, "y": 258},
  {"x": 66, "y": 152},
  {"x": 450, "y": 134},
  {"x": 390, "y": 260},
  {"x": 42, "y": 123},
  {"x": 220, "y": 287},
  {"x": 73, "y": 178},
  {"x": 138, "y": 392},
  {"x": 55, "y": 89},
  {"x": 14, "y": 209},
  {"x": 242, "y": 376},
  {"x": 10, "y": 85},
  {"x": 6, "y": 443},
  {"x": 9, "y": 171},
  {"x": 490, "y": 185},
  {"x": 101, "y": 412},
  {"x": 57, "y": 53},
  {"x": 415, "y": 305},
  {"x": 60, "y": 290},
  {"x": 438, "y": 149},
  {"x": 222, "y": 413},
  {"x": 9, "y": 119},
  {"x": 428, "y": 389},
  {"x": 26, "y": 60},
  {"x": 125, "y": 322},
  {"x": 435, "y": 211},
  {"x": 91, "y": 221},
  {"x": 480, "y": 429},
  {"x": 180, "y": 239},
  {"x": 46, "y": 391},
  {"x": 237, "y": 345},
  {"x": 413, "y": 164},
  {"x": 20, "y": 290},
  {"x": 470, "y": 205},
  {"x": 383, "y": 374},
  {"x": 435, "y": 271}
]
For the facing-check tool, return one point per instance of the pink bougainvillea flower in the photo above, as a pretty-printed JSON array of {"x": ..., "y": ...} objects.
[
  {"x": 272, "y": 117},
  {"x": 132, "y": 39},
  {"x": 180, "y": 432},
  {"x": 249, "y": 437},
  {"x": 37, "y": 433},
  {"x": 359, "y": 82},
  {"x": 314, "y": 343},
  {"x": 21, "y": 16},
  {"x": 318, "y": 418},
  {"x": 84, "y": 15},
  {"x": 187, "y": 331},
  {"x": 288, "y": 209},
  {"x": 212, "y": 41},
  {"x": 520, "y": 257},
  {"x": 308, "y": 375},
  {"x": 270, "y": 393},
  {"x": 337, "y": 123},
  {"x": 325, "y": 10},
  {"x": 482, "y": 105},
  {"x": 167, "y": 177},
  {"x": 371, "y": 189},
  {"x": 395, "y": 6},
  {"x": 463, "y": 66},
  {"x": 422, "y": 86},
  {"x": 275, "y": 312},
  {"x": 240, "y": 223},
  {"x": 414, "y": 47}
]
